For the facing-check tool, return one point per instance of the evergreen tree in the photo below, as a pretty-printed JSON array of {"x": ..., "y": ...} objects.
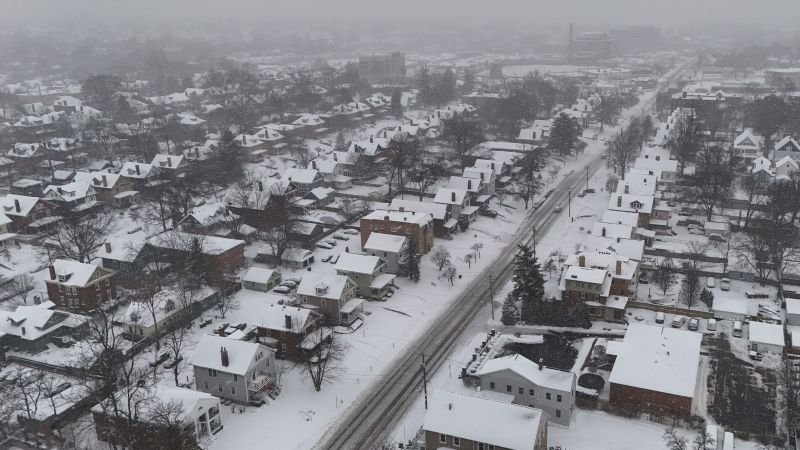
[
  {"x": 397, "y": 103},
  {"x": 423, "y": 79},
  {"x": 409, "y": 262},
  {"x": 341, "y": 143},
  {"x": 510, "y": 315},
  {"x": 564, "y": 134},
  {"x": 469, "y": 81},
  {"x": 528, "y": 282}
]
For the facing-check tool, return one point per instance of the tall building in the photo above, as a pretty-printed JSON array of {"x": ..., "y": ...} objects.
[
  {"x": 390, "y": 67},
  {"x": 637, "y": 38},
  {"x": 591, "y": 47},
  {"x": 496, "y": 70}
]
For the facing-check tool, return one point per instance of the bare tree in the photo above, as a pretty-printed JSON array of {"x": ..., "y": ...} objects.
[
  {"x": 674, "y": 440},
  {"x": 440, "y": 257},
  {"x": 401, "y": 155},
  {"x": 665, "y": 274},
  {"x": 78, "y": 237},
  {"x": 752, "y": 189},
  {"x": 710, "y": 184},
  {"x": 322, "y": 356},
  {"x": 691, "y": 286},
  {"x": 449, "y": 273},
  {"x": 476, "y": 248},
  {"x": 528, "y": 183},
  {"x": 463, "y": 134},
  {"x": 685, "y": 141},
  {"x": 469, "y": 258},
  {"x": 622, "y": 149}
]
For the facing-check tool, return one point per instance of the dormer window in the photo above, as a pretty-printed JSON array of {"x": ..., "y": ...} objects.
[
  {"x": 636, "y": 204},
  {"x": 63, "y": 277}
]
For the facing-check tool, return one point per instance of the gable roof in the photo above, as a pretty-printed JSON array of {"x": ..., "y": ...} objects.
[
  {"x": 167, "y": 161},
  {"x": 258, "y": 275},
  {"x": 353, "y": 262},
  {"x": 177, "y": 240},
  {"x": 9, "y": 202},
  {"x": 129, "y": 170},
  {"x": 545, "y": 377},
  {"x": 436, "y": 210},
  {"x": 449, "y": 196},
  {"x": 273, "y": 317},
  {"x": 746, "y": 139},
  {"x": 385, "y": 242},
  {"x": 304, "y": 176},
  {"x": 206, "y": 354},
  {"x": 788, "y": 140},
  {"x": 98, "y": 180},
  {"x": 331, "y": 286},
  {"x": 78, "y": 274},
  {"x": 70, "y": 192}
]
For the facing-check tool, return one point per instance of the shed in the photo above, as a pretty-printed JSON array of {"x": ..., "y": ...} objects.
[
  {"x": 730, "y": 309},
  {"x": 261, "y": 279},
  {"x": 793, "y": 311},
  {"x": 766, "y": 337}
]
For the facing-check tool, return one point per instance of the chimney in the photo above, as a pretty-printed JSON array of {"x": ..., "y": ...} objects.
[
  {"x": 386, "y": 218},
  {"x": 223, "y": 355},
  {"x": 402, "y": 209},
  {"x": 492, "y": 166},
  {"x": 541, "y": 363},
  {"x": 260, "y": 186},
  {"x": 197, "y": 152},
  {"x": 469, "y": 184},
  {"x": 108, "y": 247},
  {"x": 335, "y": 157},
  {"x": 105, "y": 181},
  {"x": 23, "y": 330},
  {"x": 52, "y": 272},
  {"x": 619, "y": 268},
  {"x": 137, "y": 170},
  {"x": 482, "y": 179},
  {"x": 314, "y": 165},
  {"x": 287, "y": 320},
  {"x": 658, "y": 157},
  {"x": 449, "y": 406},
  {"x": 244, "y": 139},
  {"x": 627, "y": 189},
  {"x": 604, "y": 232},
  {"x": 370, "y": 140},
  {"x": 60, "y": 191},
  {"x": 582, "y": 261},
  {"x": 16, "y": 205},
  {"x": 453, "y": 196},
  {"x": 169, "y": 161},
  {"x": 619, "y": 201}
]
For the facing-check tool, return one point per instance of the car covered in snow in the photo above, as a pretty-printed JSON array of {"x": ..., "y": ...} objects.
[
  {"x": 281, "y": 290},
  {"x": 725, "y": 284},
  {"x": 324, "y": 245}
]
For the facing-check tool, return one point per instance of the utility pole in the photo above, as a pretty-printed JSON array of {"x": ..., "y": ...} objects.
[
  {"x": 587, "y": 178},
  {"x": 569, "y": 203},
  {"x": 491, "y": 294},
  {"x": 425, "y": 380},
  {"x": 534, "y": 240}
]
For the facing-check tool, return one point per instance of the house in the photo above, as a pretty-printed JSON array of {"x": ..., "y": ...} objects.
[
  {"x": 620, "y": 217},
  {"x": 656, "y": 370},
  {"x": 138, "y": 321},
  {"x": 632, "y": 249},
  {"x": 389, "y": 248},
  {"x": 329, "y": 294},
  {"x": 457, "y": 202},
  {"x": 612, "y": 230},
  {"x": 261, "y": 279},
  {"x": 140, "y": 174},
  {"x": 443, "y": 223},
  {"x": 786, "y": 147},
  {"x": 593, "y": 277},
  {"x": 30, "y": 328},
  {"x": 637, "y": 184},
  {"x": 766, "y": 337},
  {"x": 297, "y": 258},
  {"x": 304, "y": 179},
  {"x": 285, "y": 328},
  {"x": 487, "y": 178},
  {"x": 667, "y": 168},
  {"x": 747, "y": 146},
  {"x": 532, "y": 384},
  {"x": 417, "y": 227},
  {"x": 639, "y": 204},
  {"x": 170, "y": 165},
  {"x": 235, "y": 370},
  {"x": 262, "y": 203},
  {"x": 79, "y": 286},
  {"x": 793, "y": 311},
  {"x": 28, "y": 214},
  {"x": 223, "y": 256},
  {"x": 125, "y": 257},
  {"x": 368, "y": 272},
  {"x": 198, "y": 411},
  {"x": 762, "y": 171},
  {"x": 110, "y": 188},
  {"x": 206, "y": 218},
  {"x": 78, "y": 196},
  {"x": 460, "y": 421},
  {"x": 785, "y": 167}
]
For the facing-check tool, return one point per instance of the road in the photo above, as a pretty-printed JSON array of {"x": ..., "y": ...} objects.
[{"x": 366, "y": 421}]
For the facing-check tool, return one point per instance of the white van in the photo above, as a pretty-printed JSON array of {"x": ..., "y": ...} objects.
[
  {"x": 659, "y": 317},
  {"x": 737, "y": 328},
  {"x": 711, "y": 325}
]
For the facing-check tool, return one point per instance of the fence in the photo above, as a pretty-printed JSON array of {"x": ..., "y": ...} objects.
[{"x": 671, "y": 310}]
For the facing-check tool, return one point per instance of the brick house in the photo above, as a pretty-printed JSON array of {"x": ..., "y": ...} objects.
[
  {"x": 78, "y": 286},
  {"x": 418, "y": 227},
  {"x": 28, "y": 214},
  {"x": 284, "y": 328},
  {"x": 460, "y": 421},
  {"x": 223, "y": 256},
  {"x": 603, "y": 280},
  {"x": 111, "y": 188},
  {"x": 262, "y": 203},
  {"x": 656, "y": 370},
  {"x": 443, "y": 223}
]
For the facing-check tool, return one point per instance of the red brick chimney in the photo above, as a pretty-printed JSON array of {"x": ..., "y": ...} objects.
[
  {"x": 223, "y": 355},
  {"x": 16, "y": 205},
  {"x": 105, "y": 181},
  {"x": 453, "y": 196},
  {"x": 137, "y": 170},
  {"x": 52, "y": 272},
  {"x": 619, "y": 267},
  {"x": 287, "y": 319},
  {"x": 581, "y": 261},
  {"x": 108, "y": 247},
  {"x": 619, "y": 201}
]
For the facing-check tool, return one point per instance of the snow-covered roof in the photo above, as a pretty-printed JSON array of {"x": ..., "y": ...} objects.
[
  {"x": 605, "y": 260},
  {"x": 273, "y": 317},
  {"x": 786, "y": 160},
  {"x": 631, "y": 203},
  {"x": 77, "y": 190},
  {"x": 32, "y": 322},
  {"x": 450, "y": 196},
  {"x": 767, "y": 333},
  {"x": 586, "y": 274},
  {"x": 511, "y": 426},
  {"x": 77, "y": 274},
  {"x": 531, "y": 371},
  {"x": 495, "y": 166},
  {"x": 303, "y": 176},
  {"x": 296, "y": 254},
  {"x": 258, "y": 275},
  {"x": 729, "y": 305},
  {"x": 748, "y": 140},
  {"x": 637, "y": 184},
  {"x": 628, "y": 248},
  {"x": 353, "y": 262},
  {"x": 167, "y": 161},
  {"x": 788, "y": 140},
  {"x": 325, "y": 285},
  {"x": 207, "y": 354},
  {"x": 141, "y": 314},
  {"x": 658, "y": 359},
  {"x": 190, "y": 403},
  {"x": 121, "y": 249},
  {"x": 436, "y": 210},
  {"x": 612, "y": 230},
  {"x": 384, "y": 242},
  {"x": 464, "y": 184},
  {"x": 400, "y": 216},
  {"x": 620, "y": 217},
  {"x": 99, "y": 180},
  {"x": 9, "y": 202},
  {"x": 792, "y": 306},
  {"x": 663, "y": 165},
  {"x": 136, "y": 170},
  {"x": 368, "y": 146},
  {"x": 211, "y": 245}
]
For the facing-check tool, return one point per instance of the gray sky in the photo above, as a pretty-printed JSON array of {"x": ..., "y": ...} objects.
[{"x": 766, "y": 14}]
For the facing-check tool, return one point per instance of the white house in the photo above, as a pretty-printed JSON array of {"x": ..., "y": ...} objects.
[
  {"x": 766, "y": 337},
  {"x": 261, "y": 279},
  {"x": 388, "y": 247}
]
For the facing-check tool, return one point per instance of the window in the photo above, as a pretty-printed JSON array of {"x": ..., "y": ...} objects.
[
  {"x": 481, "y": 446},
  {"x": 548, "y": 396},
  {"x": 233, "y": 390},
  {"x": 443, "y": 438},
  {"x": 205, "y": 385},
  {"x": 558, "y": 398},
  {"x": 212, "y": 372},
  {"x": 508, "y": 388},
  {"x": 531, "y": 392},
  {"x": 558, "y": 413},
  {"x": 491, "y": 385},
  {"x": 235, "y": 377},
  {"x": 456, "y": 441},
  {"x": 521, "y": 391},
  {"x": 219, "y": 387}
]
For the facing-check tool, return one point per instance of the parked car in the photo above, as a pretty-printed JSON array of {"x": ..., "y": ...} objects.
[
  {"x": 327, "y": 258},
  {"x": 324, "y": 245},
  {"x": 557, "y": 209},
  {"x": 581, "y": 194},
  {"x": 755, "y": 356},
  {"x": 711, "y": 325},
  {"x": 715, "y": 237},
  {"x": 487, "y": 212},
  {"x": 694, "y": 324},
  {"x": 737, "y": 328},
  {"x": 330, "y": 242},
  {"x": 660, "y": 317},
  {"x": 538, "y": 204},
  {"x": 335, "y": 259},
  {"x": 725, "y": 284},
  {"x": 295, "y": 279},
  {"x": 281, "y": 290},
  {"x": 340, "y": 236},
  {"x": 589, "y": 191},
  {"x": 678, "y": 321},
  {"x": 696, "y": 231},
  {"x": 163, "y": 357},
  {"x": 291, "y": 284},
  {"x": 350, "y": 231},
  {"x": 710, "y": 283}
]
